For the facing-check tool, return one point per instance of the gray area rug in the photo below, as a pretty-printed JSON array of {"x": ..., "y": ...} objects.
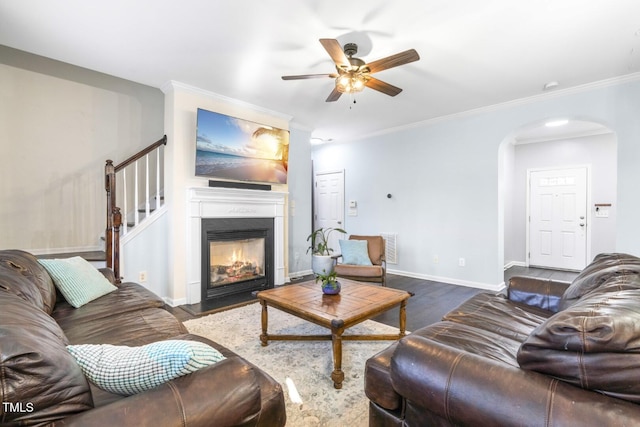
[{"x": 308, "y": 363}]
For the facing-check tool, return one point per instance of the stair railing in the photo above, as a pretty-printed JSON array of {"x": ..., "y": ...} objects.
[{"x": 116, "y": 224}]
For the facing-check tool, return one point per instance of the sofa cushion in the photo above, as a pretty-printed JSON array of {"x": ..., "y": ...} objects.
[
  {"x": 474, "y": 340},
  {"x": 595, "y": 343},
  {"x": 77, "y": 279},
  {"x": 347, "y": 270},
  {"x": 132, "y": 328},
  {"x": 354, "y": 252},
  {"x": 602, "y": 268},
  {"x": 130, "y": 370},
  {"x": 128, "y": 297},
  {"x": 495, "y": 313},
  {"x": 35, "y": 367},
  {"x": 21, "y": 274}
]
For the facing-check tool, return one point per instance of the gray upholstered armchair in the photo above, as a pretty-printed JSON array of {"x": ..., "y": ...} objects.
[{"x": 351, "y": 266}]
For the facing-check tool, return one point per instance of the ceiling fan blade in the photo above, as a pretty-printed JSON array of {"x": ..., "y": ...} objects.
[
  {"x": 309, "y": 76},
  {"x": 393, "y": 61},
  {"x": 334, "y": 95},
  {"x": 335, "y": 51},
  {"x": 383, "y": 87}
]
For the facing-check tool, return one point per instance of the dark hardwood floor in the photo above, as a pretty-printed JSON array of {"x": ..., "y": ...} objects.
[{"x": 431, "y": 300}]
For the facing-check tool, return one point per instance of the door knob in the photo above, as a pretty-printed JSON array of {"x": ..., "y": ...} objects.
[{"x": 582, "y": 224}]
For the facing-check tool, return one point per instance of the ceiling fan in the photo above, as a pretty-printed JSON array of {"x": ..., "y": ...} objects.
[{"x": 353, "y": 74}]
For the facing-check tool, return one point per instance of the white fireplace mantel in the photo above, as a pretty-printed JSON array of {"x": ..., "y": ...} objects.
[{"x": 213, "y": 202}]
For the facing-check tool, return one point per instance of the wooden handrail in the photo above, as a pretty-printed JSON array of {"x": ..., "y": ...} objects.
[
  {"x": 114, "y": 216},
  {"x": 141, "y": 154}
]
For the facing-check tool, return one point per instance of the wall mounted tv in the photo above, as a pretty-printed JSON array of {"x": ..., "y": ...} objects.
[{"x": 230, "y": 148}]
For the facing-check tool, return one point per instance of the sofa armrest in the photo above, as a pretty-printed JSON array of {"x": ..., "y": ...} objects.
[
  {"x": 468, "y": 389},
  {"x": 225, "y": 394},
  {"x": 536, "y": 292}
]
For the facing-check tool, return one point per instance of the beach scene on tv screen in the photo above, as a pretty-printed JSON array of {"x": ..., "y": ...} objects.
[{"x": 236, "y": 149}]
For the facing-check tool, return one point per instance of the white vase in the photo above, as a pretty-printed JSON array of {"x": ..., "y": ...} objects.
[{"x": 322, "y": 264}]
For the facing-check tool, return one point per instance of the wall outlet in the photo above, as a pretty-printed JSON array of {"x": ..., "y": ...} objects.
[
  {"x": 462, "y": 262},
  {"x": 436, "y": 259},
  {"x": 142, "y": 277}
]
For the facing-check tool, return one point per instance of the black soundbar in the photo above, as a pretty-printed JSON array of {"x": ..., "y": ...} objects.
[{"x": 241, "y": 185}]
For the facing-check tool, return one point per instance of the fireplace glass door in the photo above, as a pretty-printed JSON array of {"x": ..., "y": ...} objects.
[
  {"x": 237, "y": 256},
  {"x": 236, "y": 261}
]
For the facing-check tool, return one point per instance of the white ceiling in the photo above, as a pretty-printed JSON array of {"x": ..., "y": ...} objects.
[{"x": 473, "y": 53}]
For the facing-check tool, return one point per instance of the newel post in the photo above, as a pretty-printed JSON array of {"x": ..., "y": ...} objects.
[
  {"x": 117, "y": 222},
  {"x": 110, "y": 187}
]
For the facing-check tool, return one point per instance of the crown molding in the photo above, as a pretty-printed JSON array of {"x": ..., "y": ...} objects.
[
  {"x": 560, "y": 137},
  {"x": 627, "y": 78},
  {"x": 300, "y": 126},
  {"x": 175, "y": 86}
]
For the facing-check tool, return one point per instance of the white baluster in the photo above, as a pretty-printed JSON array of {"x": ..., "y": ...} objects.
[
  {"x": 136, "y": 217},
  {"x": 158, "y": 200},
  {"x": 147, "y": 207},
  {"x": 125, "y": 222}
]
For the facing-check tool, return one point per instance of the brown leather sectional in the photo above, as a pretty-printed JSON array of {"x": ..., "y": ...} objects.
[
  {"x": 545, "y": 354},
  {"x": 42, "y": 385}
]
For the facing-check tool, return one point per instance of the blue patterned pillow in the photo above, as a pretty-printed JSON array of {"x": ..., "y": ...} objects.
[
  {"x": 130, "y": 370},
  {"x": 355, "y": 252},
  {"x": 78, "y": 280}
]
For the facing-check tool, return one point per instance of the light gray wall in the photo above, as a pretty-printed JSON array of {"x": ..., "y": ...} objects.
[
  {"x": 444, "y": 179},
  {"x": 512, "y": 248},
  {"x": 58, "y": 125},
  {"x": 147, "y": 252},
  {"x": 300, "y": 184},
  {"x": 599, "y": 152}
]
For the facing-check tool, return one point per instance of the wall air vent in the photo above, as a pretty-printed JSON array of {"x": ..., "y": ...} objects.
[{"x": 391, "y": 249}]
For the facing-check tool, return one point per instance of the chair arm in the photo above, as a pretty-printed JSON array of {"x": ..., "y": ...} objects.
[
  {"x": 225, "y": 394},
  {"x": 537, "y": 292},
  {"x": 469, "y": 389}
]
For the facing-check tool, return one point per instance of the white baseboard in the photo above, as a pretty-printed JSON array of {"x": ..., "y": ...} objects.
[
  {"x": 514, "y": 264},
  {"x": 174, "y": 302},
  {"x": 478, "y": 285},
  {"x": 294, "y": 275}
]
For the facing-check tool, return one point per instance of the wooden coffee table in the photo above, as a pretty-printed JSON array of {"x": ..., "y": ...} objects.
[{"x": 356, "y": 303}]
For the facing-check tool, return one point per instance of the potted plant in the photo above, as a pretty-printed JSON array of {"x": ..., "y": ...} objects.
[
  {"x": 321, "y": 260},
  {"x": 330, "y": 284}
]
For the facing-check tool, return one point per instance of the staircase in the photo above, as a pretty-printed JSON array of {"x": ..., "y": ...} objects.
[{"x": 134, "y": 195}]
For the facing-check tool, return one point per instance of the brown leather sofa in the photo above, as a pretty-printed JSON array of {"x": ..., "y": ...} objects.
[
  {"x": 545, "y": 354},
  {"x": 41, "y": 384}
]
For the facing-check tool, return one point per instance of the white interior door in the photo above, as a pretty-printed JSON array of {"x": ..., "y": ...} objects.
[
  {"x": 329, "y": 204},
  {"x": 558, "y": 218}
]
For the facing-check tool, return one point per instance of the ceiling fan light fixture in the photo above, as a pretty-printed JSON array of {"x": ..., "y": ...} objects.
[{"x": 351, "y": 82}]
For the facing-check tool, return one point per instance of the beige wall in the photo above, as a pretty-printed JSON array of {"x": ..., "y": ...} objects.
[{"x": 58, "y": 125}]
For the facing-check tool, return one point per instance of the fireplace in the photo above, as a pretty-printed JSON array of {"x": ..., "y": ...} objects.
[
  {"x": 212, "y": 213},
  {"x": 237, "y": 256}
]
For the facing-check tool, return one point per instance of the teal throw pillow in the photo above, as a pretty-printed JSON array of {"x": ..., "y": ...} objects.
[
  {"x": 355, "y": 252},
  {"x": 78, "y": 280},
  {"x": 129, "y": 370}
]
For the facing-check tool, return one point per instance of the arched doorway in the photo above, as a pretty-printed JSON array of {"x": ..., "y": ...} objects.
[{"x": 535, "y": 146}]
